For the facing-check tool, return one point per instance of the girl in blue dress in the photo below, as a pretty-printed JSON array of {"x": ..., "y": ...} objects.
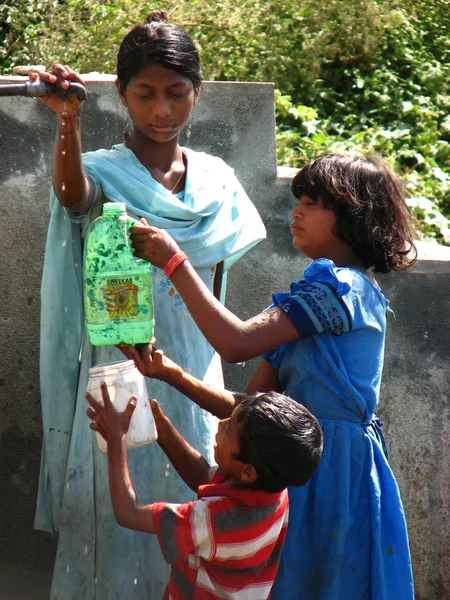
[{"x": 322, "y": 344}]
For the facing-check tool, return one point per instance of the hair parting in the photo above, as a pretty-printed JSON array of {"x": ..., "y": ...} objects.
[{"x": 158, "y": 41}]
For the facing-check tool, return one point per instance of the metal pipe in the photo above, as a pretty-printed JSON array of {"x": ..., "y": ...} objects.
[{"x": 38, "y": 89}]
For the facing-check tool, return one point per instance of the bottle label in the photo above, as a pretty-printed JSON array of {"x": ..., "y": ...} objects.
[
  {"x": 121, "y": 298},
  {"x": 112, "y": 298}
]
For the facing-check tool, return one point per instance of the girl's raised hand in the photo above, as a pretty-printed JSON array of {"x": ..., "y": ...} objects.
[
  {"x": 61, "y": 76},
  {"x": 153, "y": 244}
]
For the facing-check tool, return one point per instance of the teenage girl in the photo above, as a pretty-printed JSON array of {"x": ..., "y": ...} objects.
[
  {"x": 198, "y": 199},
  {"x": 322, "y": 344}
]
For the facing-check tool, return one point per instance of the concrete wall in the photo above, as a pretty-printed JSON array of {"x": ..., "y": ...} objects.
[
  {"x": 235, "y": 121},
  {"x": 415, "y": 409}
]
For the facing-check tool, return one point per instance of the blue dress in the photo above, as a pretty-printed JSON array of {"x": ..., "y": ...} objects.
[
  {"x": 212, "y": 221},
  {"x": 347, "y": 537}
]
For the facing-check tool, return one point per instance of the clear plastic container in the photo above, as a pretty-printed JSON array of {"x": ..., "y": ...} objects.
[
  {"x": 117, "y": 287},
  {"x": 123, "y": 381}
]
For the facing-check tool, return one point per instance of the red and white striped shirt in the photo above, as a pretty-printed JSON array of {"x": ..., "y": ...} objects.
[{"x": 227, "y": 544}]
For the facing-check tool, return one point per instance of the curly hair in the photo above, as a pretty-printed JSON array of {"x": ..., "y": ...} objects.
[
  {"x": 367, "y": 198},
  {"x": 157, "y": 41}
]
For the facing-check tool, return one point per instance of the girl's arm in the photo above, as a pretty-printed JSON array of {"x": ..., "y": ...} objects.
[
  {"x": 72, "y": 188},
  {"x": 233, "y": 339}
]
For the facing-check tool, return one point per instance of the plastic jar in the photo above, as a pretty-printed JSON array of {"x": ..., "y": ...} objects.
[{"x": 123, "y": 381}]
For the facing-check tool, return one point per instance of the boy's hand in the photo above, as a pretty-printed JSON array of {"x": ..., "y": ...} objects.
[
  {"x": 106, "y": 420},
  {"x": 167, "y": 434},
  {"x": 152, "y": 363},
  {"x": 158, "y": 415}
]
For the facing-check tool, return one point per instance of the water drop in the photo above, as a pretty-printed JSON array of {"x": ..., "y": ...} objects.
[
  {"x": 64, "y": 244},
  {"x": 63, "y": 152},
  {"x": 76, "y": 264},
  {"x": 63, "y": 187},
  {"x": 66, "y": 310},
  {"x": 135, "y": 581},
  {"x": 85, "y": 549},
  {"x": 62, "y": 137},
  {"x": 67, "y": 569},
  {"x": 63, "y": 122}
]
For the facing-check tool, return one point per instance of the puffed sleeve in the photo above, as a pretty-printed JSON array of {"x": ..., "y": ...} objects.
[{"x": 315, "y": 304}]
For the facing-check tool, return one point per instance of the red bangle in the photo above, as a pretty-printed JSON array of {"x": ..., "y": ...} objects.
[{"x": 173, "y": 263}]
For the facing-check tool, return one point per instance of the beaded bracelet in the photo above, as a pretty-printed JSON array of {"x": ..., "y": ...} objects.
[{"x": 173, "y": 263}]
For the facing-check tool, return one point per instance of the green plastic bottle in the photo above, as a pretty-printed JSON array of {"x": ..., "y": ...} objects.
[{"x": 117, "y": 287}]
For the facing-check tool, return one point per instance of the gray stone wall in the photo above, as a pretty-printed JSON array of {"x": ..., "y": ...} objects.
[{"x": 235, "y": 121}]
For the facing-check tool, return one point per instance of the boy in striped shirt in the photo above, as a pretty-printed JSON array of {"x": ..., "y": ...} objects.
[{"x": 227, "y": 544}]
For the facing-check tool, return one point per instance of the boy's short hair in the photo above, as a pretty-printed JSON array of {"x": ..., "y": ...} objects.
[{"x": 280, "y": 438}]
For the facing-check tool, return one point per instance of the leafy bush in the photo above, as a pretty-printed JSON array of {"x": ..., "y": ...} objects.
[
  {"x": 352, "y": 75},
  {"x": 394, "y": 102}
]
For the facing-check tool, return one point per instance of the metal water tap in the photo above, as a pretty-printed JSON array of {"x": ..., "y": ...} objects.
[{"x": 38, "y": 89}]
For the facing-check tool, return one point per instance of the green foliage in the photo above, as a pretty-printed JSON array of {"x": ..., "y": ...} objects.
[
  {"x": 82, "y": 33},
  {"x": 353, "y": 75},
  {"x": 393, "y": 100}
]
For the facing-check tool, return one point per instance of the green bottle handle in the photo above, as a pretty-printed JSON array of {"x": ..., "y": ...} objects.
[{"x": 130, "y": 224}]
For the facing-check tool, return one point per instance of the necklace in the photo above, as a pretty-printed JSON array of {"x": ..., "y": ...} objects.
[
  {"x": 159, "y": 180},
  {"x": 156, "y": 176}
]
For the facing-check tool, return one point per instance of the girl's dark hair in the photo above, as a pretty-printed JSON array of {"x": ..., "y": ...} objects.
[
  {"x": 156, "y": 41},
  {"x": 280, "y": 438},
  {"x": 367, "y": 199}
]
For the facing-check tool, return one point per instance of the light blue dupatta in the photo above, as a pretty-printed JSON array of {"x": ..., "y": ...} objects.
[{"x": 214, "y": 222}]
